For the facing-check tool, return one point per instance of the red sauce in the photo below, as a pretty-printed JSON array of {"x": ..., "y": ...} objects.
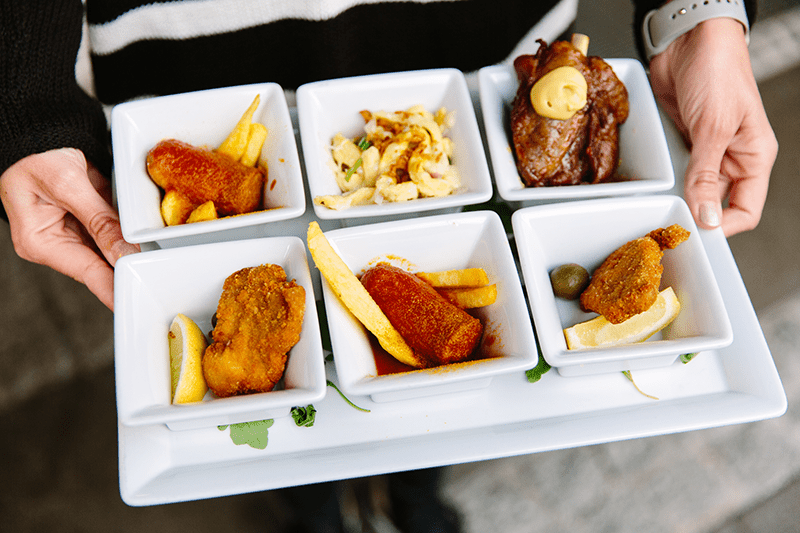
[
  {"x": 384, "y": 362},
  {"x": 489, "y": 339},
  {"x": 272, "y": 185}
]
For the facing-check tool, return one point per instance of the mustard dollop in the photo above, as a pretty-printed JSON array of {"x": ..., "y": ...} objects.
[{"x": 560, "y": 93}]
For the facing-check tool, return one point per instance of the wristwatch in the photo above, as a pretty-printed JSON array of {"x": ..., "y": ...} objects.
[{"x": 665, "y": 24}]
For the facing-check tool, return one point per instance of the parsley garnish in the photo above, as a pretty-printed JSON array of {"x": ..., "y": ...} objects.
[
  {"x": 304, "y": 416},
  {"x": 536, "y": 373},
  {"x": 254, "y": 434}
]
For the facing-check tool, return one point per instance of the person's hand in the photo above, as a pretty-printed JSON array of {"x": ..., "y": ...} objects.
[
  {"x": 59, "y": 210},
  {"x": 705, "y": 83}
]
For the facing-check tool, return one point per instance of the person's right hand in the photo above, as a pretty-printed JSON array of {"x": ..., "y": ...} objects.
[{"x": 60, "y": 213}]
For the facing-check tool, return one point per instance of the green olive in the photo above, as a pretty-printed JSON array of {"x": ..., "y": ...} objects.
[{"x": 569, "y": 280}]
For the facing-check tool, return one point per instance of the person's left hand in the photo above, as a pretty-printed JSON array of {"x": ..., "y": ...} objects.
[{"x": 705, "y": 83}]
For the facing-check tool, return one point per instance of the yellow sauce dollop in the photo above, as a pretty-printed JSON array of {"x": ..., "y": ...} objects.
[{"x": 560, "y": 93}]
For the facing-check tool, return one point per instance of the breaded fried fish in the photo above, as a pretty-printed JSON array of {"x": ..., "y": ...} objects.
[
  {"x": 628, "y": 281},
  {"x": 259, "y": 319}
]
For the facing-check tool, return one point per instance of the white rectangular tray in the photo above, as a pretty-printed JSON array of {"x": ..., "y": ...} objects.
[{"x": 734, "y": 385}]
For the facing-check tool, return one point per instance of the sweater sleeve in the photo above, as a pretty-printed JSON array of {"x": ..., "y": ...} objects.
[
  {"x": 41, "y": 105},
  {"x": 642, "y": 7}
]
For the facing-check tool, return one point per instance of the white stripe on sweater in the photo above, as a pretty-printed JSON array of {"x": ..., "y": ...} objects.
[{"x": 183, "y": 20}]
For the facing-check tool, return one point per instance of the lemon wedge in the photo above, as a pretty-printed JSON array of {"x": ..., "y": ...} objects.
[
  {"x": 186, "y": 346},
  {"x": 600, "y": 332}
]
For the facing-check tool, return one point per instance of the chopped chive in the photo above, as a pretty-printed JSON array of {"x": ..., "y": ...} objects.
[
  {"x": 352, "y": 169},
  {"x": 363, "y": 144}
]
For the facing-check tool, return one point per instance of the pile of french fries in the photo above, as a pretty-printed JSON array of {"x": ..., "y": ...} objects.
[
  {"x": 466, "y": 288},
  {"x": 243, "y": 144}
]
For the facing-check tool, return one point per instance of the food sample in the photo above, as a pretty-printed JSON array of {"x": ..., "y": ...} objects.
[
  {"x": 259, "y": 319},
  {"x": 401, "y": 156},
  {"x": 583, "y": 148},
  {"x": 470, "y": 297},
  {"x": 387, "y": 294},
  {"x": 186, "y": 346},
  {"x": 202, "y": 184},
  {"x": 627, "y": 283},
  {"x": 437, "y": 331},
  {"x": 456, "y": 279},
  {"x": 201, "y": 175},
  {"x": 569, "y": 280},
  {"x": 467, "y": 288},
  {"x": 351, "y": 292},
  {"x": 599, "y": 332}
]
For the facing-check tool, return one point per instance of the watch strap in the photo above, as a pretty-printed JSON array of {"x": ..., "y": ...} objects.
[{"x": 673, "y": 19}]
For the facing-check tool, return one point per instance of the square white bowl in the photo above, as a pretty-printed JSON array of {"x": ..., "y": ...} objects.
[
  {"x": 441, "y": 242},
  {"x": 202, "y": 118},
  {"x": 152, "y": 287},
  {"x": 586, "y": 232},
  {"x": 328, "y": 107},
  {"x": 643, "y": 151}
]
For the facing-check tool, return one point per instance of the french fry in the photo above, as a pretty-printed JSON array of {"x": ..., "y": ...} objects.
[
  {"x": 472, "y": 297},
  {"x": 203, "y": 212},
  {"x": 355, "y": 297},
  {"x": 176, "y": 207},
  {"x": 462, "y": 278},
  {"x": 236, "y": 142},
  {"x": 258, "y": 134}
]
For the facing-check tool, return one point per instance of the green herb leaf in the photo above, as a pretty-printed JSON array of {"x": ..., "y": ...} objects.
[
  {"x": 254, "y": 434},
  {"x": 331, "y": 384},
  {"x": 352, "y": 169},
  {"x": 304, "y": 416},
  {"x": 536, "y": 373},
  {"x": 630, "y": 378},
  {"x": 686, "y": 357}
]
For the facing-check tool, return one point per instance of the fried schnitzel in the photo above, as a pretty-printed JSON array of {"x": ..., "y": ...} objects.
[
  {"x": 627, "y": 283},
  {"x": 259, "y": 319}
]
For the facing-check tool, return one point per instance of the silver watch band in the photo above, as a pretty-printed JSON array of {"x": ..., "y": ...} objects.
[{"x": 664, "y": 25}]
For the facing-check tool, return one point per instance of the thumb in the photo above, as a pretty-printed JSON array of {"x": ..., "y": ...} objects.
[
  {"x": 101, "y": 221},
  {"x": 702, "y": 186}
]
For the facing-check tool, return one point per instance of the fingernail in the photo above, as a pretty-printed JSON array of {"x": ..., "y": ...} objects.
[{"x": 709, "y": 214}]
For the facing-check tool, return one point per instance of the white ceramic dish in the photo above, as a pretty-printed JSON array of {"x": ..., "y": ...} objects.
[
  {"x": 586, "y": 232},
  {"x": 329, "y": 107},
  {"x": 435, "y": 243},
  {"x": 202, "y": 118},
  {"x": 644, "y": 155},
  {"x": 734, "y": 385},
  {"x": 152, "y": 287}
]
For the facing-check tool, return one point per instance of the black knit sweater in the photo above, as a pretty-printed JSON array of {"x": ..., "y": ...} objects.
[{"x": 41, "y": 105}]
